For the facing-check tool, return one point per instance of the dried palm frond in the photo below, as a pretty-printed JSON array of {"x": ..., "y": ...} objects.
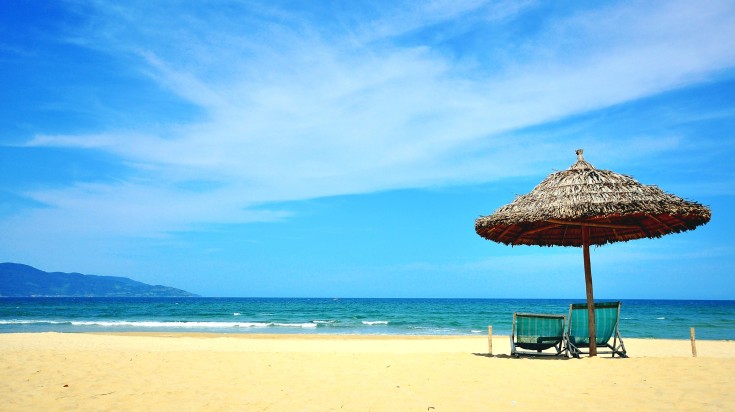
[{"x": 615, "y": 207}]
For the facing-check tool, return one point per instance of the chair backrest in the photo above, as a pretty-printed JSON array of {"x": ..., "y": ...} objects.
[
  {"x": 529, "y": 327},
  {"x": 607, "y": 315}
]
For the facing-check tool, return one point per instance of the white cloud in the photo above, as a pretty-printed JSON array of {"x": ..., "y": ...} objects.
[{"x": 294, "y": 111}]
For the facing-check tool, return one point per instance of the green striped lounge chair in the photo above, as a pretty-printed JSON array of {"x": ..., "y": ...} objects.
[
  {"x": 534, "y": 333},
  {"x": 607, "y": 317}
]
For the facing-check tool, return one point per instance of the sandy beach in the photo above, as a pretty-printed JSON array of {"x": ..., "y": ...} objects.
[{"x": 192, "y": 372}]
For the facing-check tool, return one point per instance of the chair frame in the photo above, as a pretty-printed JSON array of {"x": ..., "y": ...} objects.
[
  {"x": 575, "y": 350},
  {"x": 559, "y": 345}
]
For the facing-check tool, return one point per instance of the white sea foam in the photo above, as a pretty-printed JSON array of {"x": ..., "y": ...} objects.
[
  {"x": 374, "y": 322},
  {"x": 296, "y": 325},
  {"x": 432, "y": 330},
  {"x": 661, "y": 318},
  {"x": 236, "y": 314},
  {"x": 191, "y": 325},
  {"x": 176, "y": 325},
  {"x": 324, "y": 322},
  {"x": 30, "y": 322}
]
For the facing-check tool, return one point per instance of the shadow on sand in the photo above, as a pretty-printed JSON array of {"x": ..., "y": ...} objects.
[{"x": 533, "y": 357}]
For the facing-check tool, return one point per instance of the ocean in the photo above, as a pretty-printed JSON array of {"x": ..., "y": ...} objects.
[{"x": 639, "y": 318}]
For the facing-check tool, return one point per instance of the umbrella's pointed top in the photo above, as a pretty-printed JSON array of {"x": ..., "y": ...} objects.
[{"x": 581, "y": 164}]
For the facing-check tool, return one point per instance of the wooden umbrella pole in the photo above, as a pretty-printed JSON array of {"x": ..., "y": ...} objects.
[{"x": 590, "y": 294}]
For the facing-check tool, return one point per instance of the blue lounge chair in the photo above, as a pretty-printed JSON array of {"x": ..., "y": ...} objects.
[
  {"x": 536, "y": 333},
  {"x": 607, "y": 317}
]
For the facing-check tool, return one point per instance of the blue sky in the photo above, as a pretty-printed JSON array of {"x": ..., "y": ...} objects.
[{"x": 344, "y": 149}]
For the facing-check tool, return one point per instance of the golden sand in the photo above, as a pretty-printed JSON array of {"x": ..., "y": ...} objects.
[{"x": 192, "y": 372}]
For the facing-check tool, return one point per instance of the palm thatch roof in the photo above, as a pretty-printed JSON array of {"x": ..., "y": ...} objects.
[{"x": 613, "y": 206}]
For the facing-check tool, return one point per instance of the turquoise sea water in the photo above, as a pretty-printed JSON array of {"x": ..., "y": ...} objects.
[{"x": 639, "y": 318}]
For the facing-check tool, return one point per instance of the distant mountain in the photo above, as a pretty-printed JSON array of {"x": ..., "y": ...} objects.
[{"x": 23, "y": 280}]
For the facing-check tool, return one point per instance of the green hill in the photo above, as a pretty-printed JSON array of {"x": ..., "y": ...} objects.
[{"x": 23, "y": 281}]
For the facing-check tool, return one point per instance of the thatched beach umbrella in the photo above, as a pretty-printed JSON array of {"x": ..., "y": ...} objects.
[{"x": 584, "y": 206}]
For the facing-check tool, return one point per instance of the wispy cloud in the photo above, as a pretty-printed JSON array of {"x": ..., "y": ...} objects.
[{"x": 299, "y": 106}]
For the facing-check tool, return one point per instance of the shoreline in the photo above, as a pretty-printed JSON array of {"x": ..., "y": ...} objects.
[
  {"x": 328, "y": 336},
  {"x": 476, "y": 344},
  {"x": 172, "y": 371}
]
